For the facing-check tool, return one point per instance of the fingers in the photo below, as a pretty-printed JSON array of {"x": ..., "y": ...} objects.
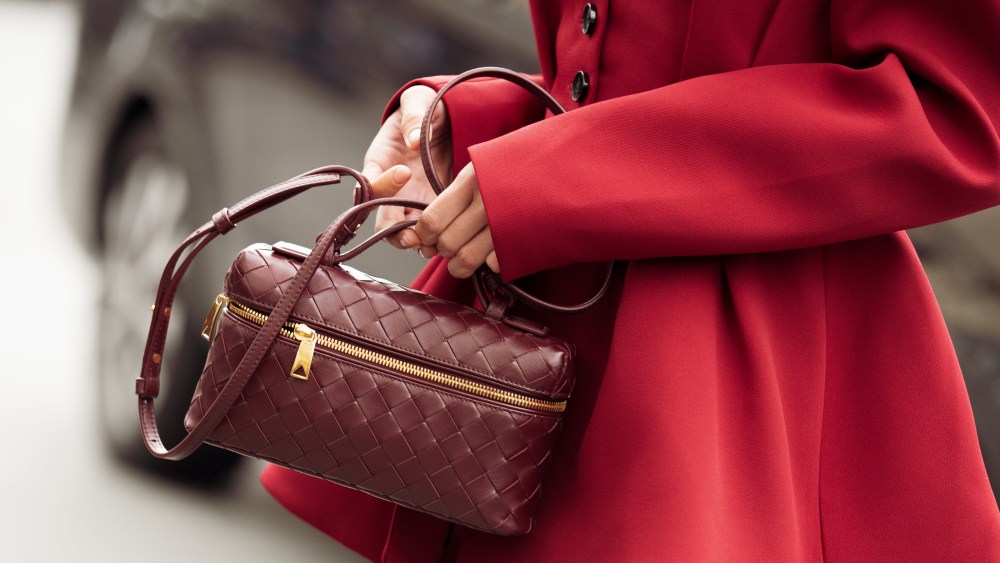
[
  {"x": 462, "y": 228},
  {"x": 471, "y": 255},
  {"x": 413, "y": 104},
  {"x": 455, "y": 226},
  {"x": 385, "y": 148},
  {"x": 492, "y": 262},
  {"x": 427, "y": 251},
  {"x": 461, "y": 197},
  {"x": 386, "y": 216},
  {"x": 386, "y": 184},
  {"x": 393, "y": 166},
  {"x": 408, "y": 240}
]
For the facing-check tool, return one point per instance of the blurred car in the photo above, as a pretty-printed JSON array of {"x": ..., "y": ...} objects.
[{"x": 181, "y": 107}]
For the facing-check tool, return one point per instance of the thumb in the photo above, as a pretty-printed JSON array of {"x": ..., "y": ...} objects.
[
  {"x": 413, "y": 104},
  {"x": 391, "y": 181}
]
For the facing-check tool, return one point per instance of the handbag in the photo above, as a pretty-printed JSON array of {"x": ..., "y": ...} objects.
[{"x": 318, "y": 367}]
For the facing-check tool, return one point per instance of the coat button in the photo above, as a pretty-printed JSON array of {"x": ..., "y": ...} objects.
[
  {"x": 581, "y": 83},
  {"x": 589, "y": 18}
]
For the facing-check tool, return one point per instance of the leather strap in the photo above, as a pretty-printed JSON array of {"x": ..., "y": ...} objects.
[
  {"x": 388, "y": 231},
  {"x": 489, "y": 286},
  {"x": 485, "y": 72},
  {"x": 147, "y": 385}
]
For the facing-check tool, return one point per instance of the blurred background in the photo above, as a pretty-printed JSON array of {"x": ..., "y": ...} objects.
[{"x": 123, "y": 125}]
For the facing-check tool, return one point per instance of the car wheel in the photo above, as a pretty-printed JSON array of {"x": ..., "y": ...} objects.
[{"x": 141, "y": 219}]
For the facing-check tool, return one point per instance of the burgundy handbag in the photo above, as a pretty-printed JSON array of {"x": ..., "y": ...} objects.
[{"x": 320, "y": 368}]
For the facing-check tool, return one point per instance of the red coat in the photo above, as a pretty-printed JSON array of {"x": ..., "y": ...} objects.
[{"x": 771, "y": 380}]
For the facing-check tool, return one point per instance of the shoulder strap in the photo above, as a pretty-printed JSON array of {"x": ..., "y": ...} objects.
[
  {"x": 147, "y": 385},
  {"x": 489, "y": 286}
]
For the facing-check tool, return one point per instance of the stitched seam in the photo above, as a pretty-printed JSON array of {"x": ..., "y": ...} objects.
[{"x": 310, "y": 181}]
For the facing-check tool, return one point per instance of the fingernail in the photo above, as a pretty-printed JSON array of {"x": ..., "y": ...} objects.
[
  {"x": 414, "y": 137},
  {"x": 401, "y": 175},
  {"x": 408, "y": 239}
]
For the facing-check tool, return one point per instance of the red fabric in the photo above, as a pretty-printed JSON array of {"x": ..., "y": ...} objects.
[{"x": 779, "y": 383}]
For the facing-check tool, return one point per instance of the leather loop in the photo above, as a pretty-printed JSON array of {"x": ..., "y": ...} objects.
[
  {"x": 148, "y": 388},
  {"x": 345, "y": 222},
  {"x": 386, "y": 232},
  {"x": 222, "y": 221},
  {"x": 497, "y": 307},
  {"x": 542, "y": 305}
]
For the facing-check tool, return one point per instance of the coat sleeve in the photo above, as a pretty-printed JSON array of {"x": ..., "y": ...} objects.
[
  {"x": 900, "y": 131},
  {"x": 479, "y": 110}
]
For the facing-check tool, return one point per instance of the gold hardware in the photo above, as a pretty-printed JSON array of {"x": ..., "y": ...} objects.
[
  {"x": 157, "y": 358},
  {"x": 213, "y": 315},
  {"x": 304, "y": 356},
  {"x": 385, "y": 361},
  {"x": 152, "y": 308}
]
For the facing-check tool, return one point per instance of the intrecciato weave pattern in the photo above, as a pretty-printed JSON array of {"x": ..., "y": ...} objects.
[
  {"x": 390, "y": 315},
  {"x": 468, "y": 460}
]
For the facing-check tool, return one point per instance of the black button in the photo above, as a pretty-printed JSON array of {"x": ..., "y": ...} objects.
[
  {"x": 581, "y": 83},
  {"x": 589, "y": 18}
]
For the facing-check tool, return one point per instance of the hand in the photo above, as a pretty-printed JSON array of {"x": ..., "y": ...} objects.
[
  {"x": 454, "y": 225},
  {"x": 392, "y": 162}
]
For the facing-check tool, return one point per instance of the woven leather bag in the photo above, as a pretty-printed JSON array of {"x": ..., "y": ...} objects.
[{"x": 318, "y": 367}]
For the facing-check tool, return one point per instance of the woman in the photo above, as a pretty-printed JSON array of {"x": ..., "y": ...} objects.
[{"x": 771, "y": 378}]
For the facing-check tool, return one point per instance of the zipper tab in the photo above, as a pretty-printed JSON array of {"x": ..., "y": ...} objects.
[
  {"x": 304, "y": 356},
  {"x": 213, "y": 315}
]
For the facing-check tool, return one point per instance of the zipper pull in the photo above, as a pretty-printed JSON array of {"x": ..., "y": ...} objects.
[
  {"x": 304, "y": 356},
  {"x": 213, "y": 315}
]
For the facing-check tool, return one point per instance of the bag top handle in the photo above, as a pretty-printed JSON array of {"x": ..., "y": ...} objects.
[{"x": 489, "y": 286}]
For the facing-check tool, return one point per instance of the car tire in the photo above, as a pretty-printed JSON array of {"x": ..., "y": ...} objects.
[{"x": 141, "y": 218}]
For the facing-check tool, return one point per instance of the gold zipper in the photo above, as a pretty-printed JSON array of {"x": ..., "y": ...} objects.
[{"x": 309, "y": 338}]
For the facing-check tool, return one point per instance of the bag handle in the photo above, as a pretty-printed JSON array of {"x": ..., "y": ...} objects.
[
  {"x": 516, "y": 78},
  {"x": 147, "y": 385},
  {"x": 489, "y": 287}
]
